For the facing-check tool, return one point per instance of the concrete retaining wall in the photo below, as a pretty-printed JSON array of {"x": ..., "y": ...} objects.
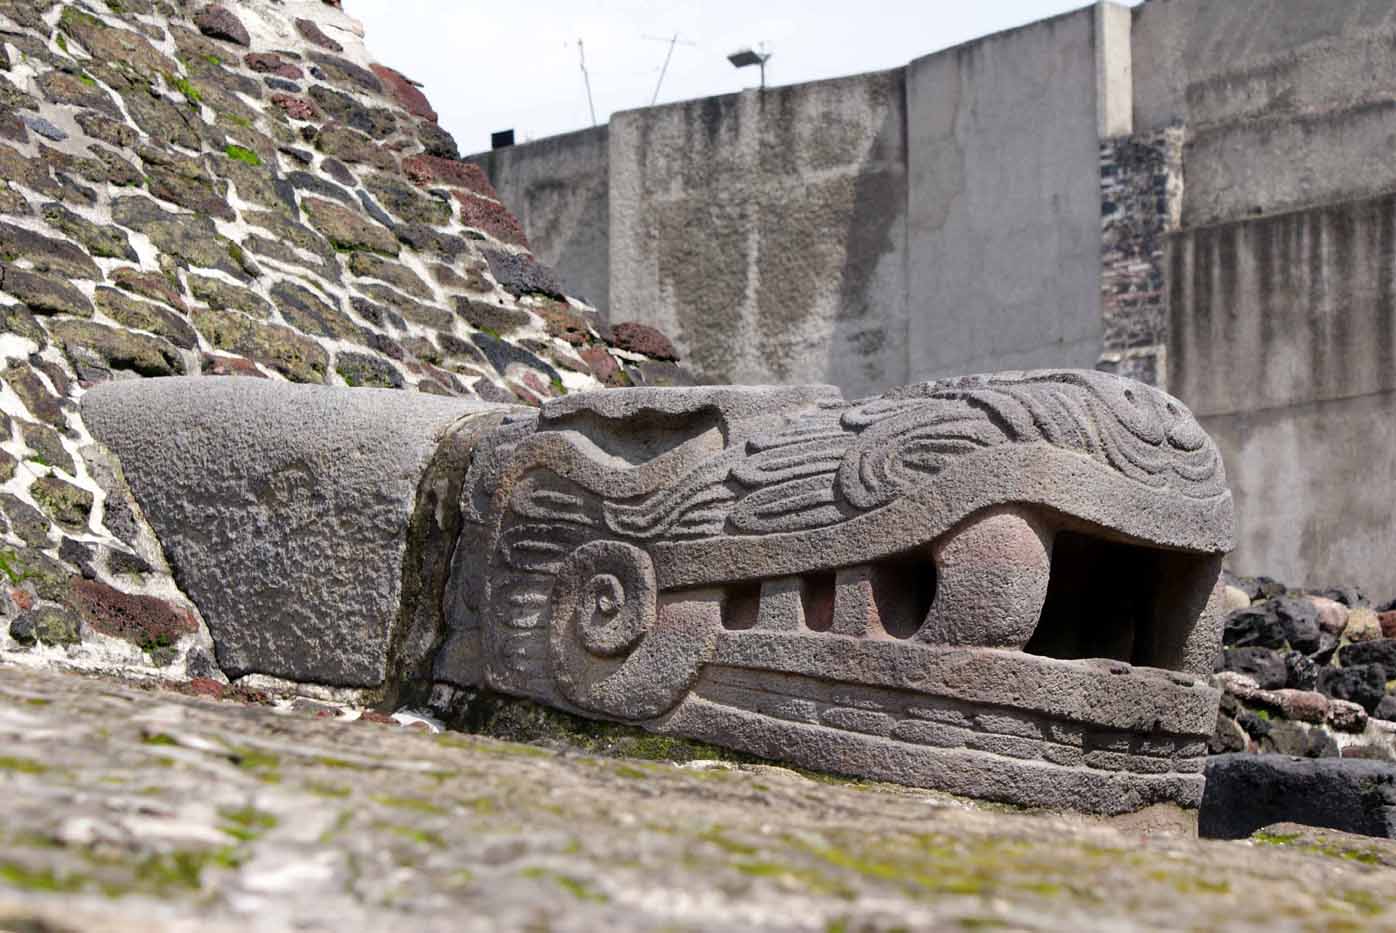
[
  {"x": 559, "y": 188},
  {"x": 1005, "y": 202},
  {"x": 766, "y": 232},
  {"x": 1283, "y": 341}
]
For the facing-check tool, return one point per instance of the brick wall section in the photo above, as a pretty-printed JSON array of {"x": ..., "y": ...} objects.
[{"x": 1141, "y": 182}]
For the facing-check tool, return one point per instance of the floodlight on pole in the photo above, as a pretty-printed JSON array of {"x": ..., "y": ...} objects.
[{"x": 745, "y": 58}]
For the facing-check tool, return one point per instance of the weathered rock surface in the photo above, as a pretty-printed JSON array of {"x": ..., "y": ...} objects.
[
  {"x": 298, "y": 518},
  {"x": 127, "y": 809},
  {"x": 1247, "y": 792}
]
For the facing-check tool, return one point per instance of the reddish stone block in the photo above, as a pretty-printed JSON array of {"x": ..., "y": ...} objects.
[
  {"x": 142, "y": 620},
  {"x": 217, "y": 22},
  {"x": 1387, "y": 621},
  {"x": 22, "y": 598},
  {"x": 206, "y": 687},
  {"x": 382, "y": 719},
  {"x": 643, "y": 339},
  {"x": 407, "y": 93},
  {"x": 424, "y": 170},
  {"x": 272, "y": 64},
  {"x": 230, "y": 366},
  {"x": 491, "y": 217},
  {"x": 311, "y": 32},
  {"x": 297, "y": 108},
  {"x": 603, "y": 366}
]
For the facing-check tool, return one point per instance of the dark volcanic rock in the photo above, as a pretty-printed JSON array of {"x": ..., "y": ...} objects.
[
  {"x": 1299, "y": 619},
  {"x": 1266, "y": 665},
  {"x": 521, "y": 274},
  {"x": 1364, "y": 684},
  {"x": 1253, "y": 626},
  {"x": 1380, "y": 651},
  {"x": 1247, "y": 792},
  {"x": 1302, "y": 672}
]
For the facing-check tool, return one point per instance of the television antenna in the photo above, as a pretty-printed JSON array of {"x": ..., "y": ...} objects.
[
  {"x": 586, "y": 78},
  {"x": 673, "y": 41}
]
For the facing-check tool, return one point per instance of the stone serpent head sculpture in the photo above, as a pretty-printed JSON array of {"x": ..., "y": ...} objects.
[{"x": 1005, "y": 586}]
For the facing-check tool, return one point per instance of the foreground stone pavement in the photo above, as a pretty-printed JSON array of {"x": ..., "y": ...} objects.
[{"x": 131, "y": 808}]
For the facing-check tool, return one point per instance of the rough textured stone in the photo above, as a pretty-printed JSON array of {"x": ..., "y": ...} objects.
[
  {"x": 44, "y": 294},
  {"x": 362, "y": 370},
  {"x": 406, "y": 92},
  {"x": 1255, "y": 626},
  {"x": 347, "y": 229},
  {"x": 405, "y": 202},
  {"x": 370, "y": 265},
  {"x": 1362, "y": 625},
  {"x": 90, "y": 344},
  {"x": 1266, "y": 665},
  {"x": 350, "y": 145},
  {"x": 308, "y": 312},
  {"x": 1247, "y": 792},
  {"x": 46, "y": 444},
  {"x": 68, "y": 505},
  {"x": 642, "y": 339},
  {"x": 310, "y": 30},
  {"x": 100, "y": 239},
  {"x": 187, "y": 237},
  {"x": 218, "y": 23},
  {"x": 142, "y": 315},
  {"x": 147, "y": 622},
  {"x": 494, "y": 319},
  {"x": 311, "y": 504},
  {"x": 279, "y": 348},
  {"x": 617, "y": 840},
  {"x": 1364, "y": 685},
  {"x": 521, "y": 274},
  {"x": 219, "y": 295},
  {"x": 1378, "y": 651},
  {"x": 41, "y": 403},
  {"x": 377, "y": 122},
  {"x": 45, "y": 253},
  {"x": 490, "y": 217}
]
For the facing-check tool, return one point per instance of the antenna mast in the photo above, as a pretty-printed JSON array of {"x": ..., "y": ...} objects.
[{"x": 586, "y": 79}]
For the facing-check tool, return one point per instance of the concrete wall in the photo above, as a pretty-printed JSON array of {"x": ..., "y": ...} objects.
[
  {"x": 559, "y": 188},
  {"x": 1004, "y": 216},
  {"x": 1287, "y": 103},
  {"x": 1283, "y": 341},
  {"x": 765, "y": 232}
]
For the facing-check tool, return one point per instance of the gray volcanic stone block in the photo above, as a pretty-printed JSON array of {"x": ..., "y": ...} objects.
[
  {"x": 1004, "y": 586},
  {"x": 312, "y": 526},
  {"x": 1248, "y": 792}
]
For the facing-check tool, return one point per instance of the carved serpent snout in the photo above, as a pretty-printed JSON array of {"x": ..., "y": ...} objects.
[{"x": 934, "y": 515}]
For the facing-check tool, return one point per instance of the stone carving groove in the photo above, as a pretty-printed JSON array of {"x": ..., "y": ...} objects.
[{"x": 853, "y": 585}]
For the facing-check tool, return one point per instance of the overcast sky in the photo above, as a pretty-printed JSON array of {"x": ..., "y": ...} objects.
[{"x": 494, "y": 66}]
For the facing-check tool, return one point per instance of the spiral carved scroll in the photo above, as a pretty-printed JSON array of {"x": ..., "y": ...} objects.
[{"x": 614, "y": 651}]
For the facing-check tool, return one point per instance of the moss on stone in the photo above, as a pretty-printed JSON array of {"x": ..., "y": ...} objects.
[
  {"x": 17, "y": 765},
  {"x": 185, "y": 87},
  {"x": 242, "y": 154}
]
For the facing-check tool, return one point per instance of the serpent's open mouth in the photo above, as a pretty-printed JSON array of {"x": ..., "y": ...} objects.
[{"x": 1005, "y": 586}]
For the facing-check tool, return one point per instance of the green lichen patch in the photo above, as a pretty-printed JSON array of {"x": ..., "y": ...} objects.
[
  {"x": 247, "y": 824},
  {"x": 579, "y": 888},
  {"x": 242, "y": 154},
  {"x": 417, "y": 804},
  {"x": 18, "y": 765}
]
